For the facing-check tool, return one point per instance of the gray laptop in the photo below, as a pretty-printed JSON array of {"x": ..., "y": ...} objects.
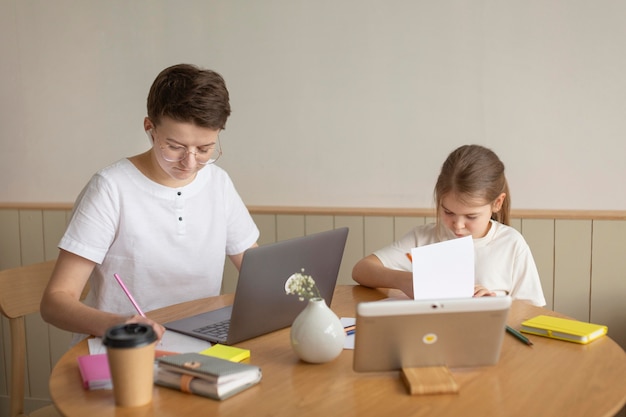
[
  {"x": 460, "y": 332},
  {"x": 260, "y": 305}
]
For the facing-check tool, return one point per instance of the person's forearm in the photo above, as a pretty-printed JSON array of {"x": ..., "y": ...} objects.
[
  {"x": 371, "y": 273},
  {"x": 66, "y": 313}
]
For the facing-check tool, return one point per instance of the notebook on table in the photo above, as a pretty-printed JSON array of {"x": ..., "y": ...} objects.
[
  {"x": 260, "y": 305},
  {"x": 461, "y": 332}
]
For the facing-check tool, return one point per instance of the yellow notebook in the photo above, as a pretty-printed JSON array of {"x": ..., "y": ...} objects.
[{"x": 564, "y": 329}]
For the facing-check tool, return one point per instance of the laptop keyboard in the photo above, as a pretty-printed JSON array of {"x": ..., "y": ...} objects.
[{"x": 218, "y": 331}]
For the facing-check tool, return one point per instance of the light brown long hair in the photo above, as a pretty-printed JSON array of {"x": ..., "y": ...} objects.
[{"x": 474, "y": 172}]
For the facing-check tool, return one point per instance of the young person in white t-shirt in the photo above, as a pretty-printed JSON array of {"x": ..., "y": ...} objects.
[
  {"x": 164, "y": 220},
  {"x": 472, "y": 198}
]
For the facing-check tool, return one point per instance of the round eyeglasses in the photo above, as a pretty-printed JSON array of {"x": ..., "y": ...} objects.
[{"x": 204, "y": 155}]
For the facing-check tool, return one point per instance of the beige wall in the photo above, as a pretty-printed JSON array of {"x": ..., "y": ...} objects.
[
  {"x": 319, "y": 89},
  {"x": 580, "y": 259}
]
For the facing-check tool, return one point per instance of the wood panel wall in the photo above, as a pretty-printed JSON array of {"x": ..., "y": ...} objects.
[{"x": 581, "y": 257}]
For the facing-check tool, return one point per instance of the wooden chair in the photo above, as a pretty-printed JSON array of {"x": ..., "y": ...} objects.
[{"x": 21, "y": 290}]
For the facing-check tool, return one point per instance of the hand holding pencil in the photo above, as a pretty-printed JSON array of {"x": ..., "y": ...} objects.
[{"x": 158, "y": 328}]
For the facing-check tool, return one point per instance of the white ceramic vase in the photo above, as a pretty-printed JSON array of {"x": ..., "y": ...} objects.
[{"x": 317, "y": 335}]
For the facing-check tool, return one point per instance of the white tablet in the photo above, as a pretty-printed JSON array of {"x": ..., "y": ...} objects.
[{"x": 462, "y": 332}]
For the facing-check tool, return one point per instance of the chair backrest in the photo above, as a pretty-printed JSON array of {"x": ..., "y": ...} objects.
[{"x": 21, "y": 290}]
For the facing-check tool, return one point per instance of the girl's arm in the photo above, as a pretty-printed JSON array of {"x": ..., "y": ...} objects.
[
  {"x": 61, "y": 305},
  {"x": 370, "y": 272}
]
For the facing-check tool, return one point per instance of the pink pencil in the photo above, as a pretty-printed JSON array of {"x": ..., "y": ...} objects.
[{"x": 129, "y": 295}]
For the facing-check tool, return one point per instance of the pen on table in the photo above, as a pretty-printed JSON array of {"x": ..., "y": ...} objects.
[
  {"x": 349, "y": 329},
  {"x": 129, "y": 295},
  {"x": 408, "y": 255},
  {"x": 519, "y": 336}
]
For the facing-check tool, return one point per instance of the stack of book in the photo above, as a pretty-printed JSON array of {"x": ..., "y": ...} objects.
[
  {"x": 94, "y": 370},
  {"x": 204, "y": 375}
]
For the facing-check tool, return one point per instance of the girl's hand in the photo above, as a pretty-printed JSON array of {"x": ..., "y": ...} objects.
[
  {"x": 480, "y": 291},
  {"x": 406, "y": 286},
  {"x": 158, "y": 328}
]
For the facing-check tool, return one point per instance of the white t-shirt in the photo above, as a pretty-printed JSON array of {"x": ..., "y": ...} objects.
[
  {"x": 503, "y": 261},
  {"x": 167, "y": 244}
]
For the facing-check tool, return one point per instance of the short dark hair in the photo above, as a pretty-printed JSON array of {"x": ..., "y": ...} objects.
[{"x": 187, "y": 93}]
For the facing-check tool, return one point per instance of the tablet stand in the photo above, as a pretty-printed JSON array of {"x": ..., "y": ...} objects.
[{"x": 429, "y": 380}]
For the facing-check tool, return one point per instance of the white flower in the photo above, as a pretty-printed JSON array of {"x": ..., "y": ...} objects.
[{"x": 302, "y": 285}]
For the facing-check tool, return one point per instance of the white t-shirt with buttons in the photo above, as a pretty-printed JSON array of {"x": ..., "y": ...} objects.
[{"x": 167, "y": 244}]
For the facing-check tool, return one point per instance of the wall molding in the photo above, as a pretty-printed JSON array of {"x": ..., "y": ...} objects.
[{"x": 374, "y": 211}]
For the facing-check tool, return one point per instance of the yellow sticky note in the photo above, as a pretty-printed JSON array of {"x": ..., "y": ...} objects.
[{"x": 230, "y": 353}]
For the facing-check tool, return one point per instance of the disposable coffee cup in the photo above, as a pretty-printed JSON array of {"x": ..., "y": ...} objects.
[{"x": 130, "y": 350}]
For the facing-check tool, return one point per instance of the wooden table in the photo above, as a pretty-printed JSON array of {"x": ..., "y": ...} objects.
[{"x": 551, "y": 378}]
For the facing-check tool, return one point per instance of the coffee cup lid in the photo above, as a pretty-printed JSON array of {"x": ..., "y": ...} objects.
[{"x": 129, "y": 335}]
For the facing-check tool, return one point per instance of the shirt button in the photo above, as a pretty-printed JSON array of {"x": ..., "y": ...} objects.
[
  {"x": 180, "y": 219},
  {"x": 179, "y": 193}
]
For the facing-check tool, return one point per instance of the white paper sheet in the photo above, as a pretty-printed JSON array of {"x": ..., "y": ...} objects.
[
  {"x": 444, "y": 270},
  {"x": 171, "y": 342},
  {"x": 345, "y": 322}
]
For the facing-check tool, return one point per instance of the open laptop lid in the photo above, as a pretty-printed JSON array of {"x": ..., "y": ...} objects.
[
  {"x": 456, "y": 333},
  {"x": 261, "y": 304}
]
